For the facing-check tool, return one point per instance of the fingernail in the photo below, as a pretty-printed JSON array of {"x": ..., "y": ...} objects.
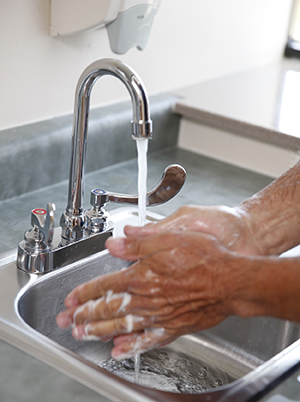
[
  {"x": 116, "y": 245},
  {"x": 63, "y": 320},
  {"x": 81, "y": 333},
  {"x": 131, "y": 229},
  {"x": 106, "y": 338},
  {"x": 78, "y": 332},
  {"x": 71, "y": 301},
  {"x": 119, "y": 355}
]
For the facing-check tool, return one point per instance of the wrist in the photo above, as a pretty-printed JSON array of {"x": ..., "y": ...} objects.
[
  {"x": 264, "y": 286},
  {"x": 273, "y": 228},
  {"x": 239, "y": 286},
  {"x": 272, "y": 215}
]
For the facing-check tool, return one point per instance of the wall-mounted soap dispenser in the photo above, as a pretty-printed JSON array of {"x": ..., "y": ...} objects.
[{"x": 128, "y": 22}]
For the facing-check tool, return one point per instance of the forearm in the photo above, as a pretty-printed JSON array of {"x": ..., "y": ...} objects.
[
  {"x": 273, "y": 214},
  {"x": 265, "y": 286}
]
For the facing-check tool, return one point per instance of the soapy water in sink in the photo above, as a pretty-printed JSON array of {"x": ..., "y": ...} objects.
[{"x": 169, "y": 371}]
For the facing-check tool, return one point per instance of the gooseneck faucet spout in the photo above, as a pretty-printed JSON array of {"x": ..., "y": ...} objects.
[
  {"x": 73, "y": 220},
  {"x": 83, "y": 233}
]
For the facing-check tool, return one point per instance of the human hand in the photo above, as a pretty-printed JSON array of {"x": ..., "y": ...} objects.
[
  {"x": 229, "y": 225},
  {"x": 182, "y": 283}
]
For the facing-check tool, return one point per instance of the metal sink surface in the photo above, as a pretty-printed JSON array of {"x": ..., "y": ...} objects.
[{"x": 238, "y": 360}]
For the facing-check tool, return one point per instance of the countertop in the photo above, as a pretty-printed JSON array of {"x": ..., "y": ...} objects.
[
  {"x": 209, "y": 182},
  {"x": 260, "y": 103}
]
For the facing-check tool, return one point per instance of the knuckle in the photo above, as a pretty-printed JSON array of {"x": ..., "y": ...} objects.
[
  {"x": 170, "y": 238},
  {"x": 121, "y": 326},
  {"x": 135, "y": 246},
  {"x": 106, "y": 309},
  {"x": 185, "y": 210}
]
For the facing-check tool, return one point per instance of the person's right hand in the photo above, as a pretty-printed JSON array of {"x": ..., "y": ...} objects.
[
  {"x": 181, "y": 283},
  {"x": 229, "y": 225}
]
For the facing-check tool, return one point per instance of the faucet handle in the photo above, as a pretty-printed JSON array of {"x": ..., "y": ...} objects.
[
  {"x": 35, "y": 250},
  {"x": 43, "y": 221},
  {"x": 169, "y": 185}
]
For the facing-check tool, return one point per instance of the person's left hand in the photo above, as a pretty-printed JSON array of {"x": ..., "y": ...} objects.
[{"x": 182, "y": 283}]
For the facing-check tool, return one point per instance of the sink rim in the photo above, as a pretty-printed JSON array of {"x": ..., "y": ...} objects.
[{"x": 14, "y": 330}]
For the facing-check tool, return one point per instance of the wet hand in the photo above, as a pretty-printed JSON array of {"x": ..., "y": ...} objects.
[
  {"x": 177, "y": 287},
  {"x": 229, "y": 225}
]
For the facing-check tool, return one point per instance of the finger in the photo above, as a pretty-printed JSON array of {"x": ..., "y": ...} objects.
[
  {"x": 108, "y": 329},
  {"x": 149, "y": 229},
  {"x": 134, "y": 248},
  {"x": 65, "y": 318},
  {"x": 96, "y": 288},
  {"x": 104, "y": 307},
  {"x": 141, "y": 342},
  {"x": 173, "y": 221},
  {"x": 119, "y": 339},
  {"x": 113, "y": 306}
]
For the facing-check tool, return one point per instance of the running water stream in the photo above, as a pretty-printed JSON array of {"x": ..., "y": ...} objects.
[
  {"x": 163, "y": 369},
  {"x": 142, "y": 148}
]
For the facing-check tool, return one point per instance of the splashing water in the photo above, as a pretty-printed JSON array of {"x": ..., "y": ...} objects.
[{"x": 166, "y": 370}]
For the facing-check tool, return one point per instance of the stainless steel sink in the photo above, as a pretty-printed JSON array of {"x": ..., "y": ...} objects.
[{"x": 239, "y": 360}]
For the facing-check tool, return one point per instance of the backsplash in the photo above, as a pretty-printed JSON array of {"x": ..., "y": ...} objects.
[{"x": 38, "y": 154}]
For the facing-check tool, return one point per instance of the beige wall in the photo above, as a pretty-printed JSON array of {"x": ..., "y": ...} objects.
[{"x": 191, "y": 41}]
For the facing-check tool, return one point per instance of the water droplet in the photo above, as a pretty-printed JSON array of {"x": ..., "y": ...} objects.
[{"x": 217, "y": 382}]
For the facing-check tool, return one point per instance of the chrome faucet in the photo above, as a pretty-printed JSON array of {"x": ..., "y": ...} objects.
[
  {"x": 73, "y": 220},
  {"x": 85, "y": 233}
]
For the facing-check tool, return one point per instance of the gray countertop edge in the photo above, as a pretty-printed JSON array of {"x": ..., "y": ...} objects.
[
  {"x": 234, "y": 126},
  {"x": 248, "y": 103}
]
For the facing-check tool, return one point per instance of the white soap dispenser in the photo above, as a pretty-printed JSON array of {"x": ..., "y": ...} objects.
[{"x": 128, "y": 22}]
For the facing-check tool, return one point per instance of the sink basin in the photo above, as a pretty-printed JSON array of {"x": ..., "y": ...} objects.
[{"x": 238, "y": 360}]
